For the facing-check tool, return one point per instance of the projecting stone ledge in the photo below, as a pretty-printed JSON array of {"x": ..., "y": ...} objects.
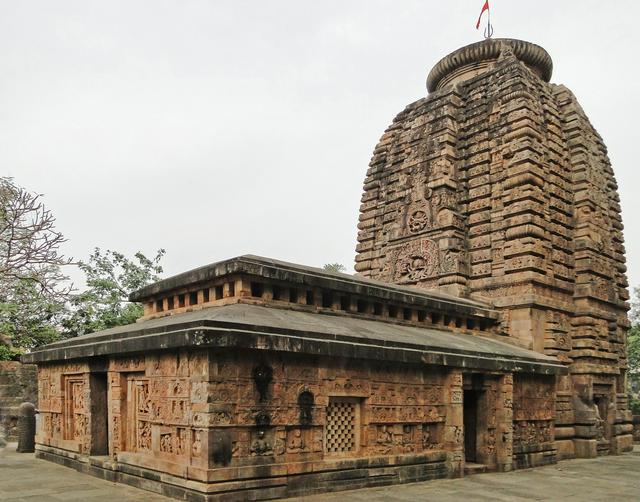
[{"x": 256, "y": 327}]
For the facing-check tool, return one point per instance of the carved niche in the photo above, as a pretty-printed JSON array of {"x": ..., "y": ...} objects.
[
  {"x": 413, "y": 262},
  {"x": 415, "y": 214},
  {"x": 262, "y": 376},
  {"x": 305, "y": 403}
]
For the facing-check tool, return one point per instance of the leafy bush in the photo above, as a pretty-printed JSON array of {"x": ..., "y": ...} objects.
[{"x": 9, "y": 353}]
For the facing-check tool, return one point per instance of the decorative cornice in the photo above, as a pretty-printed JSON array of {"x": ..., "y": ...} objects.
[{"x": 487, "y": 51}]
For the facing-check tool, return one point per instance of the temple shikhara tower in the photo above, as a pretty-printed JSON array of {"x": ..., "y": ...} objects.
[
  {"x": 496, "y": 186},
  {"x": 484, "y": 328}
]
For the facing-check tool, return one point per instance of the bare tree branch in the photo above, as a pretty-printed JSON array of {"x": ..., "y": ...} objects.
[{"x": 29, "y": 243}]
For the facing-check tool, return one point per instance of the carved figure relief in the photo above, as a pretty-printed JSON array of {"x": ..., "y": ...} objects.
[
  {"x": 415, "y": 261},
  {"x": 418, "y": 213},
  {"x": 144, "y": 435},
  {"x": 260, "y": 445},
  {"x": 116, "y": 430},
  {"x": 196, "y": 446},
  {"x": 181, "y": 441},
  {"x": 295, "y": 441},
  {"x": 140, "y": 414},
  {"x": 56, "y": 424},
  {"x": 178, "y": 409},
  {"x": 166, "y": 443},
  {"x": 418, "y": 219},
  {"x": 449, "y": 261},
  {"x": 143, "y": 403},
  {"x": 431, "y": 436},
  {"x": 407, "y": 439},
  {"x": 384, "y": 439},
  {"x": 46, "y": 425}
]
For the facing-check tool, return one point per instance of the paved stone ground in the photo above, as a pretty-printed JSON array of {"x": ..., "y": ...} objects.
[
  {"x": 612, "y": 478},
  {"x": 24, "y": 478},
  {"x": 615, "y": 478}
]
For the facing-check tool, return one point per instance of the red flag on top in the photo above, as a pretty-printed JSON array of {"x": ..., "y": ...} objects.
[{"x": 484, "y": 7}]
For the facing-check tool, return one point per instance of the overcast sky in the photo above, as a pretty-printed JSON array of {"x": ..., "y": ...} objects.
[{"x": 215, "y": 129}]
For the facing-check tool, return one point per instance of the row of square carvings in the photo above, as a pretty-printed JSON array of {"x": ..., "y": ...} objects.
[
  {"x": 276, "y": 441},
  {"x": 310, "y": 299}
]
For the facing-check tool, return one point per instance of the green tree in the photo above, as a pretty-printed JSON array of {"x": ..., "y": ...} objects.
[
  {"x": 110, "y": 278},
  {"x": 334, "y": 267},
  {"x": 633, "y": 352},
  {"x": 633, "y": 349},
  {"x": 29, "y": 318}
]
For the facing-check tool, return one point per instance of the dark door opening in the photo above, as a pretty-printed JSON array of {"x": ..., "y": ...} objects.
[
  {"x": 99, "y": 427},
  {"x": 470, "y": 420}
]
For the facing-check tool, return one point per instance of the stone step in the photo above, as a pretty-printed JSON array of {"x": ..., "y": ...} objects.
[{"x": 473, "y": 468}]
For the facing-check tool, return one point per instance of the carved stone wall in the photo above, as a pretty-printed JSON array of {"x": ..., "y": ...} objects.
[
  {"x": 500, "y": 187},
  {"x": 159, "y": 412},
  {"x": 396, "y": 410},
  {"x": 65, "y": 418},
  {"x": 214, "y": 415},
  {"x": 533, "y": 420},
  {"x": 220, "y": 416}
]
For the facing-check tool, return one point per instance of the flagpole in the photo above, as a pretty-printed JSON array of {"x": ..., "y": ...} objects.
[{"x": 489, "y": 32}]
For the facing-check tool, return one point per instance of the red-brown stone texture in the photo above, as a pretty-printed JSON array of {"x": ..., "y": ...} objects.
[
  {"x": 485, "y": 330},
  {"x": 498, "y": 187}
]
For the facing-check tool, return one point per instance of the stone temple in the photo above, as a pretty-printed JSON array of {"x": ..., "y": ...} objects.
[{"x": 484, "y": 330}]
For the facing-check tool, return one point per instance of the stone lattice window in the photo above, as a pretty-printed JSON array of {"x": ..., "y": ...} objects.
[{"x": 343, "y": 426}]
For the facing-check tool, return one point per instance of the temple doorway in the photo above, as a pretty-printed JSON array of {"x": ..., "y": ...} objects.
[
  {"x": 479, "y": 420},
  {"x": 99, "y": 407},
  {"x": 470, "y": 422}
]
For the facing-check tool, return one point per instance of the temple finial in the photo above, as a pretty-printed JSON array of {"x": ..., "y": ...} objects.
[{"x": 488, "y": 31}]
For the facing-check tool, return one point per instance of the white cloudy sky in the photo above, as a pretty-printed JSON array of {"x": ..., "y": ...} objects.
[{"x": 218, "y": 128}]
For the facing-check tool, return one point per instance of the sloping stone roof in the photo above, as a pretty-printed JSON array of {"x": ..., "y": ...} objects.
[{"x": 257, "y": 327}]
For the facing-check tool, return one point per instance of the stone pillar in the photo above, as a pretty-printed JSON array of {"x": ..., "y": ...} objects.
[
  {"x": 26, "y": 428},
  {"x": 564, "y": 430},
  {"x": 117, "y": 398},
  {"x": 504, "y": 423},
  {"x": 243, "y": 287},
  {"x": 454, "y": 425},
  {"x": 585, "y": 441}
]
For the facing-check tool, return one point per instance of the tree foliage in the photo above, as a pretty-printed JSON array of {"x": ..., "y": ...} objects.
[
  {"x": 33, "y": 287},
  {"x": 110, "y": 278},
  {"x": 37, "y": 302},
  {"x": 29, "y": 318},
  {"x": 633, "y": 352},
  {"x": 633, "y": 349},
  {"x": 334, "y": 267}
]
